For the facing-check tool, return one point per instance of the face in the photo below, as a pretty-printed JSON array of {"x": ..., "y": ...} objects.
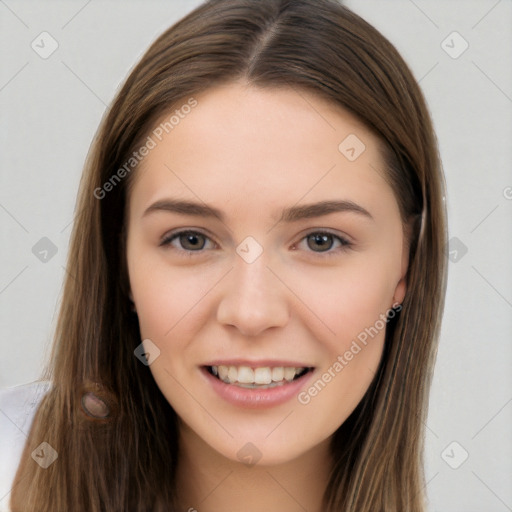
[{"x": 265, "y": 249}]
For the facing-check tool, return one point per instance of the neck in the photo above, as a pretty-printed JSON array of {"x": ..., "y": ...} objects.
[{"x": 209, "y": 482}]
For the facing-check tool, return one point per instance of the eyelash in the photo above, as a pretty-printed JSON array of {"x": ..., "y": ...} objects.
[{"x": 344, "y": 243}]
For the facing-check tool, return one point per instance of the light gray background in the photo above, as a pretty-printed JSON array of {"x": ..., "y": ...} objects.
[{"x": 50, "y": 109}]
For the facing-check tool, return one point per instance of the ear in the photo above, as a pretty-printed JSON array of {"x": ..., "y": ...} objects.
[
  {"x": 401, "y": 287},
  {"x": 400, "y": 290}
]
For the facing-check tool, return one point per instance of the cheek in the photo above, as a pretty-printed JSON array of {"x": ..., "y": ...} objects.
[
  {"x": 171, "y": 309},
  {"x": 355, "y": 310},
  {"x": 165, "y": 296},
  {"x": 331, "y": 398},
  {"x": 346, "y": 303}
]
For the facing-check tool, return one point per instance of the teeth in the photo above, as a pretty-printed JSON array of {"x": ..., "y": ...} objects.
[
  {"x": 245, "y": 374},
  {"x": 223, "y": 372},
  {"x": 232, "y": 374},
  {"x": 277, "y": 373},
  {"x": 263, "y": 375},
  {"x": 289, "y": 373}
]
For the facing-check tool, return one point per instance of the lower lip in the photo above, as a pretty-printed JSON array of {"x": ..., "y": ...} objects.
[{"x": 254, "y": 398}]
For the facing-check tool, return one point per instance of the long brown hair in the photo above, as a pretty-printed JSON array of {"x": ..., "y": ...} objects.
[{"x": 126, "y": 461}]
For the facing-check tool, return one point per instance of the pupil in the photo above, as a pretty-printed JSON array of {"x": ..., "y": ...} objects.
[
  {"x": 322, "y": 239},
  {"x": 192, "y": 240}
]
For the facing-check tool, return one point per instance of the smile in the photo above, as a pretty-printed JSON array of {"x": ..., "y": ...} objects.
[{"x": 263, "y": 377}]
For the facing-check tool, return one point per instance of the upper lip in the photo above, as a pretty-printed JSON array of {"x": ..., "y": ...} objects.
[{"x": 272, "y": 363}]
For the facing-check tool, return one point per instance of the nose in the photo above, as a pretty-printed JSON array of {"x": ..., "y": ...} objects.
[{"x": 253, "y": 298}]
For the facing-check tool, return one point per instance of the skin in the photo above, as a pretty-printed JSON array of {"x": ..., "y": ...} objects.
[{"x": 251, "y": 152}]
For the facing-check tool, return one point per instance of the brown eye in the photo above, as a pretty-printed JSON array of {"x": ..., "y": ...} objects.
[
  {"x": 322, "y": 241},
  {"x": 325, "y": 244},
  {"x": 189, "y": 241}
]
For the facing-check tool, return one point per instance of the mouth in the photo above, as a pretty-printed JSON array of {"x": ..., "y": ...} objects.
[{"x": 263, "y": 377}]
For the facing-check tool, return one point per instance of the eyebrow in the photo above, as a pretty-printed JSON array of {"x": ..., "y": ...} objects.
[{"x": 291, "y": 214}]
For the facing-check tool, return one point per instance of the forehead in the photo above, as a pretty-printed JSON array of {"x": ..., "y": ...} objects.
[{"x": 248, "y": 142}]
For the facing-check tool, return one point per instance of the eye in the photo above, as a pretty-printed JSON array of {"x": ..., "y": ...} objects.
[
  {"x": 325, "y": 241},
  {"x": 189, "y": 240}
]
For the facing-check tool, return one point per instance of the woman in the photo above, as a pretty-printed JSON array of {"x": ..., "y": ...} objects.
[{"x": 207, "y": 353}]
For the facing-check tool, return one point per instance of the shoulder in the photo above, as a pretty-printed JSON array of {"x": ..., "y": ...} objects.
[{"x": 18, "y": 405}]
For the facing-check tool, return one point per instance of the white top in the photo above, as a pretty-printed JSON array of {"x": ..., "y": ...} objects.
[{"x": 17, "y": 408}]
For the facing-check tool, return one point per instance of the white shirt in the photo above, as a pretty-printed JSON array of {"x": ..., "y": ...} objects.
[{"x": 18, "y": 405}]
